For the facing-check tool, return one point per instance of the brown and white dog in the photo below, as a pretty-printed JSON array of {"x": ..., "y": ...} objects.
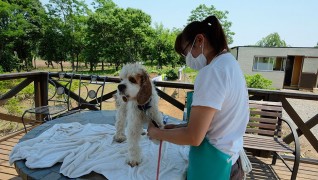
[{"x": 137, "y": 104}]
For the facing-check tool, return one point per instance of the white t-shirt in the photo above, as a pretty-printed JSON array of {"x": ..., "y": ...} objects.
[{"x": 221, "y": 85}]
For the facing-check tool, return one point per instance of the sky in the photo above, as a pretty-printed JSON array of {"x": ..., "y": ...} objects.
[{"x": 295, "y": 21}]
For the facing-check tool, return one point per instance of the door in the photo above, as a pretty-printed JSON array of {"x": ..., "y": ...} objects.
[
  {"x": 289, "y": 70},
  {"x": 297, "y": 68}
]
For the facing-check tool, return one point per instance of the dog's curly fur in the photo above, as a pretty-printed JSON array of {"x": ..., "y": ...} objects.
[{"x": 135, "y": 89}]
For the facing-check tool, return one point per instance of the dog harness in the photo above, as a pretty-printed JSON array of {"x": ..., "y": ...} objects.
[{"x": 145, "y": 106}]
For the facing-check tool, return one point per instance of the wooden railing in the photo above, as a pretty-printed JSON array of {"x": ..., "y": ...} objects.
[{"x": 40, "y": 98}]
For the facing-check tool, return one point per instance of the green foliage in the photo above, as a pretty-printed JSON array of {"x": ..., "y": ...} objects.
[
  {"x": 159, "y": 47},
  {"x": 155, "y": 70},
  {"x": 257, "y": 81},
  {"x": 27, "y": 92},
  {"x": 8, "y": 62},
  {"x": 171, "y": 74},
  {"x": 272, "y": 40},
  {"x": 189, "y": 70},
  {"x": 64, "y": 33},
  {"x": 66, "y": 30},
  {"x": 116, "y": 73},
  {"x": 20, "y": 24},
  {"x": 112, "y": 30},
  {"x": 202, "y": 11},
  {"x": 6, "y": 85},
  {"x": 13, "y": 106}
]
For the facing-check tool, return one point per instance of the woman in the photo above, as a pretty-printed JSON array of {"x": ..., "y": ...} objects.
[{"x": 219, "y": 112}]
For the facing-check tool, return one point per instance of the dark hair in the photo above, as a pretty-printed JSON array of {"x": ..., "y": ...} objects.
[{"x": 212, "y": 30}]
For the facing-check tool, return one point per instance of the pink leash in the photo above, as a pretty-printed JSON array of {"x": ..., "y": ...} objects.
[{"x": 159, "y": 159}]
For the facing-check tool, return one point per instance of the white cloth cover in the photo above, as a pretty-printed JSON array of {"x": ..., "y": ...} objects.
[{"x": 86, "y": 148}]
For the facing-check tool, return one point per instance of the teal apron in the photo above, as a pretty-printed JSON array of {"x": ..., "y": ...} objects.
[{"x": 208, "y": 163}]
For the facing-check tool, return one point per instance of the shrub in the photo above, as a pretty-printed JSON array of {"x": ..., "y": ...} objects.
[
  {"x": 8, "y": 62},
  {"x": 116, "y": 73},
  {"x": 257, "y": 81},
  {"x": 171, "y": 74}
]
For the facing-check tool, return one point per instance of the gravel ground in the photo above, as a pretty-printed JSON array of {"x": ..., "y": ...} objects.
[{"x": 306, "y": 109}]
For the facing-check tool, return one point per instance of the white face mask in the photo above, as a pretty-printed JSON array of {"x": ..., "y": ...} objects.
[{"x": 198, "y": 62}]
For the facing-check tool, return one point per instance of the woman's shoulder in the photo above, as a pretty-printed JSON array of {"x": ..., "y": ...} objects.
[{"x": 224, "y": 61}]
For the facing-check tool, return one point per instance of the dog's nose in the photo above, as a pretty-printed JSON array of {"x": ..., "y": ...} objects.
[{"x": 121, "y": 87}]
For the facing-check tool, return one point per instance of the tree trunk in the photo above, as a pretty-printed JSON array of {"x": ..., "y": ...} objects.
[
  {"x": 76, "y": 62},
  {"x": 91, "y": 66},
  {"x": 61, "y": 66},
  {"x": 34, "y": 61},
  {"x": 73, "y": 64},
  {"x": 26, "y": 64},
  {"x": 102, "y": 65}
]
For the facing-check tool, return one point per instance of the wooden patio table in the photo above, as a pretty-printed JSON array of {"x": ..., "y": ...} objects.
[{"x": 83, "y": 117}]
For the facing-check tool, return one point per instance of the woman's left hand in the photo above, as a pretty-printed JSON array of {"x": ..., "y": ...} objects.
[{"x": 152, "y": 131}]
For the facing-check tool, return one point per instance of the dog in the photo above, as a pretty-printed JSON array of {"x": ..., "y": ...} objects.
[{"x": 137, "y": 103}]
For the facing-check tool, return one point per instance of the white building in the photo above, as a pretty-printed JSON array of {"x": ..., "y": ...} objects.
[{"x": 287, "y": 67}]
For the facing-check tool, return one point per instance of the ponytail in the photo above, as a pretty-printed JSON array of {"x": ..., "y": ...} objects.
[{"x": 215, "y": 34}]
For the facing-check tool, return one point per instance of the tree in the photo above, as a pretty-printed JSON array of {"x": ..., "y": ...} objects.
[
  {"x": 272, "y": 40},
  {"x": 20, "y": 25},
  {"x": 160, "y": 46},
  {"x": 51, "y": 46},
  {"x": 117, "y": 34},
  {"x": 68, "y": 17},
  {"x": 99, "y": 33},
  {"x": 202, "y": 11},
  {"x": 316, "y": 45}
]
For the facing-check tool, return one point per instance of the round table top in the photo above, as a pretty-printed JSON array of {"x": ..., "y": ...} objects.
[{"x": 83, "y": 117}]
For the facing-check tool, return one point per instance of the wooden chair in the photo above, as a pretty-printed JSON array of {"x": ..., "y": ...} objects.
[{"x": 264, "y": 133}]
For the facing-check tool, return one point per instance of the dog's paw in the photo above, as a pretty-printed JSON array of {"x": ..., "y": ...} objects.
[
  {"x": 119, "y": 138},
  {"x": 133, "y": 163}
]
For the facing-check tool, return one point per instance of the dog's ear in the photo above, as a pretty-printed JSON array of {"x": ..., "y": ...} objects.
[{"x": 145, "y": 89}]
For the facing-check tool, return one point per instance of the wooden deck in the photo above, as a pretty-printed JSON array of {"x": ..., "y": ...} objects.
[
  {"x": 262, "y": 168},
  {"x": 6, "y": 145}
]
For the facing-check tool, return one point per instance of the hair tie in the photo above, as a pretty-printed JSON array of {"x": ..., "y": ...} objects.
[{"x": 207, "y": 21}]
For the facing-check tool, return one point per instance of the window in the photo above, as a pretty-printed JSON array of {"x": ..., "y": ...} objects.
[{"x": 263, "y": 63}]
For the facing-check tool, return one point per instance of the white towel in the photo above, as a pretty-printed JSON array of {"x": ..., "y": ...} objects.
[{"x": 86, "y": 148}]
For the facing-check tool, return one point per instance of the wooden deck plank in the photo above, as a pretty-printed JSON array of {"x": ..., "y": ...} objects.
[
  {"x": 8, "y": 172},
  {"x": 5, "y": 176},
  {"x": 306, "y": 171}
]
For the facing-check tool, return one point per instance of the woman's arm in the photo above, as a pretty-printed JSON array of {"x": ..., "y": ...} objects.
[{"x": 200, "y": 120}]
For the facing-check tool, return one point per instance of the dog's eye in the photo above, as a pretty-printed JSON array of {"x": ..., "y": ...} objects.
[{"x": 132, "y": 80}]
